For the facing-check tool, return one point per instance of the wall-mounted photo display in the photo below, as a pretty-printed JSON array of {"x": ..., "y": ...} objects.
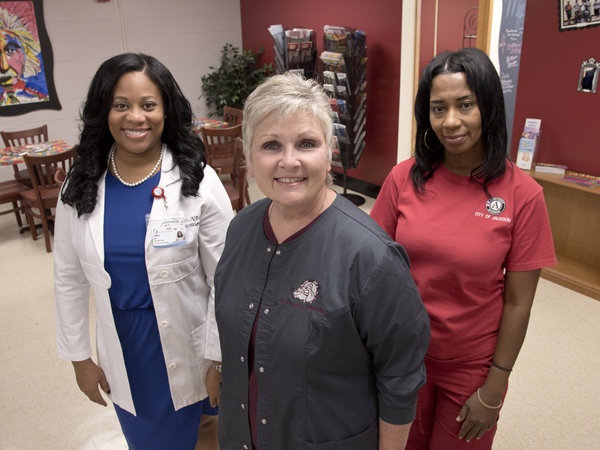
[
  {"x": 588, "y": 76},
  {"x": 577, "y": 14},
  {"x": 26, "y": 69}
]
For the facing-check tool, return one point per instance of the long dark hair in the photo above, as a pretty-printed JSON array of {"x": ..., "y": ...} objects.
[
  {"x": 483, "y": 80},
  {"x": 95, "y": 140}
]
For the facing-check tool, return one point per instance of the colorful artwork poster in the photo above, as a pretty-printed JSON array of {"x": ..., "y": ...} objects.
[{"x": 26, "y": 63}]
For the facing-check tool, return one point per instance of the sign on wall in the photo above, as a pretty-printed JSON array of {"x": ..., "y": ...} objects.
[
  {"x": 509, "y": 56},
  {"x": 26, "y": 63}
]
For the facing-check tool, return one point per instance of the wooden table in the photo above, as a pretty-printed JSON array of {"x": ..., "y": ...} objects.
[
  {"x": 202, "y": 122},
  {"x": 14, "y": 155}
]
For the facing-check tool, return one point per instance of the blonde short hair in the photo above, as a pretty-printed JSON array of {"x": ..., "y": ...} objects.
[{"x": 284, "y": 95}]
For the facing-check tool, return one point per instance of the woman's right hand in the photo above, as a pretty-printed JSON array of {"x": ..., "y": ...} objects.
[{"x": 89, "y": 376}]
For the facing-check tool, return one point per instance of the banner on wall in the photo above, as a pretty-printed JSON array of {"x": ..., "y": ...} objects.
[
  {"x": 26, "y": 63},
  {"x": 507, "y": 37}
]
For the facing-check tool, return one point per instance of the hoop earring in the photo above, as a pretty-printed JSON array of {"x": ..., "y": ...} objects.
[{"x": 425, "y": 141}]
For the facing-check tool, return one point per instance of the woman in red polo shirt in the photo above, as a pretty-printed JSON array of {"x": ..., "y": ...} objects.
[{"x": 477, "y": 234}]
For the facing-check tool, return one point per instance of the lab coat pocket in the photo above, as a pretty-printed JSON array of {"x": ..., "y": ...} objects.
[
  {"x": 199, "y": 339},
  {"x": 171, "y": 273},
  {"x": 96, "y": 275},
  {"x": 367, "y": 440}
]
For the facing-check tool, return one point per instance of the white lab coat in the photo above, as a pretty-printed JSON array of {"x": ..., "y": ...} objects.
[{"x": 181, "y": 283}]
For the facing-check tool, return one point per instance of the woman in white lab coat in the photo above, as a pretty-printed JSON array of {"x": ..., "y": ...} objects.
[{"x": 141, "y": 180}]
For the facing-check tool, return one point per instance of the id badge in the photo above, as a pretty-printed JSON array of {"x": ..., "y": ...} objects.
[{"x": 168, "y": 231}]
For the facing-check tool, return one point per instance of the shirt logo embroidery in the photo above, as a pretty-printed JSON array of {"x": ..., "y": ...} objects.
[
  {"x": 307, "y": 292},
  {"x": 495, "y": 206}
]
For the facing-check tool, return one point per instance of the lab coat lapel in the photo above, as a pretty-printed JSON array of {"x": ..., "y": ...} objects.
[
  {"x": 170, "y": 181},
  {"x": 96, "y": 220}
]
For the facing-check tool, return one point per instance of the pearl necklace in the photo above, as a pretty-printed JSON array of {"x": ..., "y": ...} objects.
[{"x": 114, "y": 166}]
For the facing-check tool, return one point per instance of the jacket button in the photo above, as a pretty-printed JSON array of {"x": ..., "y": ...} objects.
[
  {"x": 164, "y": 324},
  {"x": 242, "y": 358},
  {"x": 243, "y": 406},
  {"x": 278, "y": 252},
  {"x": 245, "y": 447},
  {"x": 173, "y": 366},
  {"x": 266, "y": 311},
  {"x": 251, "y": 305},
  {"x": 268, "y": 249},
  {"x": 261, "y": 369},
  {"x": 264, "y": 421},
  {"x": 164, "y": 274}
]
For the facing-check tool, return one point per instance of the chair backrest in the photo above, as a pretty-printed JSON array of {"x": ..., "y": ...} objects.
[
  {"x": 25, "y": 137},
  {"x": 239, "y": 171},
  {"x": 239, "y": 163},
  {"x": 232, "y": 116},
  {"x": 43, "y": 168},
  {"x": 60, "y": 176},
  {"x": 220, "y": 142}
]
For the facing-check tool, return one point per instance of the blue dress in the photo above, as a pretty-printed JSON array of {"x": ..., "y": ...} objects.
[{"x": 157, "y": 424}]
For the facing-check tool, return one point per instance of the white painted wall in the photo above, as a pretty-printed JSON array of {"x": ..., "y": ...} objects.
[
  {"x": 407, "y": 79},
  {"x": 495, "y": 33},
  {"x": 185, "y": 35}
]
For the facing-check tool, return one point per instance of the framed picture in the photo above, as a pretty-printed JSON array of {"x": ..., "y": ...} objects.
[
  {"x": 577, "y": 14},
  {"x": 26, "y": 72},
  {"x": 588, "y": 77}
]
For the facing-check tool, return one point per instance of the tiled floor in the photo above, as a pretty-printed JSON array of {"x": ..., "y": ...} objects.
[{"x": 553, "y": 401}]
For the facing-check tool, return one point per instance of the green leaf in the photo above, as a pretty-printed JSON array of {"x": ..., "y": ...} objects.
[{"x": 235, "y": 79}]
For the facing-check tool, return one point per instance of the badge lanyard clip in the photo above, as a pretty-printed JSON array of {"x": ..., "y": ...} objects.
[{"x": 158, "y": 192}]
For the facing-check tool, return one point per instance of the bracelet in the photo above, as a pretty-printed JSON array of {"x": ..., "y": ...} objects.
[
  {"x": 486, "y": 405},
  {"x": 500, "y": 367}
]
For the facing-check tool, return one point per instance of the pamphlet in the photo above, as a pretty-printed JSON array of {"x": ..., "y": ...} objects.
[
  {"x": 529, "y": 144},
  {"x": 336, "y": 159},
  {"x": 340, "y": 131},
  {"x": 550, "y": 168},
  {"x": 336, "y": 39},
  {"x": 581, "y": 179},
  {"x": 333, "y": 61}
]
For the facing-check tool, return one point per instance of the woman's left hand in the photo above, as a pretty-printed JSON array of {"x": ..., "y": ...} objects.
[
  {"x": 476, "y": 418},
  {"x": 213, "y": 380}
]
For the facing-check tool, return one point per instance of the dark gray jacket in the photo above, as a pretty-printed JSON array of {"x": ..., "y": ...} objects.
[{"x": 341, "y": 335}]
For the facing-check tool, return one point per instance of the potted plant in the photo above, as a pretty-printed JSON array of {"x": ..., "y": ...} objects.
[{"x": 238, "y": 76}]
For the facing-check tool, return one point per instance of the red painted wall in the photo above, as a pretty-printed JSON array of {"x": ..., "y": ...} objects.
[
  {"x": 381, "y": 19},
  {"x": 548, "y": 78},
  {"x": 451, "y": 17}
]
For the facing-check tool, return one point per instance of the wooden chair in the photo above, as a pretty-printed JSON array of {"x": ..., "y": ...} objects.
[
  {"x": 25, "y": 137},
  {"x": 60, "y": 176},
  {"x": 220, "y": 146},
  {"x": 239, "y": 190},
  {"x": 10, "y": 192},
  {"x": 46, "y": 190},
  {"x": 232, "y": 116}
]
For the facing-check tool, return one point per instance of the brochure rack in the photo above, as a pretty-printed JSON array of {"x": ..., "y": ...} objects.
[
  {"x": 344, "y": 74},
  {"x": 345, "y": 79},
  {"x": 295, "y": 50}
]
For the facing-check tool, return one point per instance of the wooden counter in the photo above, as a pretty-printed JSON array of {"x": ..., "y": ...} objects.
[{"x": 574, "y": 212}]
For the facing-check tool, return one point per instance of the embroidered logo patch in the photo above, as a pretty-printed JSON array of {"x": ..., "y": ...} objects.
[
  {"x": 495, "y": 206},
  {"x": 307, "y": 292}
]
